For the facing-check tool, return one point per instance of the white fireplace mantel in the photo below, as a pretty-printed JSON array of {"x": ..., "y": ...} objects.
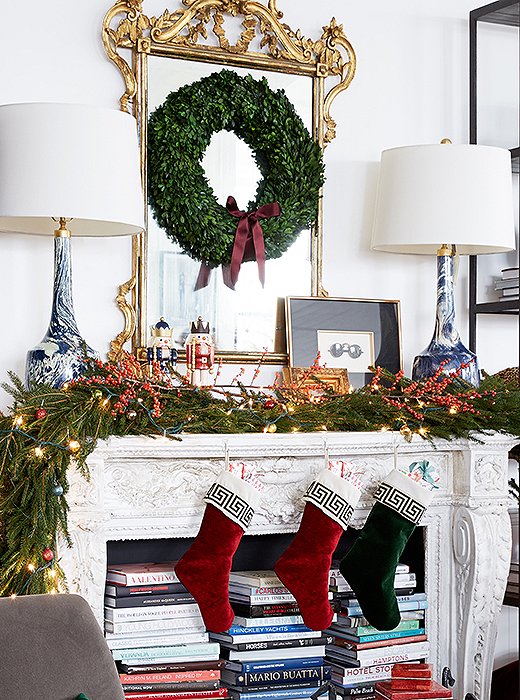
[{"x": 146, "y": 488}]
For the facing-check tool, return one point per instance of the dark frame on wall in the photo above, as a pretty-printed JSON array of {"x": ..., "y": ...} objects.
[{"x": 348, "y": 333}]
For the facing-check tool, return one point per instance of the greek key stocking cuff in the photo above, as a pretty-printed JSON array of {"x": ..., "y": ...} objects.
[
  {"x": 237, "y": 499},
  {"x": 335, "y": 496},
  {"x": 403, "y": 495}
]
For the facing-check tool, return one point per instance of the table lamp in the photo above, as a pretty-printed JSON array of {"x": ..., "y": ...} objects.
[
  {"x": 68, "y": 163},
  {"x": 445, "y": 199}
]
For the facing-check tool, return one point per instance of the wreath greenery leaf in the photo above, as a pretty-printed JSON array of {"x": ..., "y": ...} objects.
[{"x": 180, "y": 196}]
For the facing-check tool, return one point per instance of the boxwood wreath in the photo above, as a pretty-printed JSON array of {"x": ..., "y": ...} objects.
[
  {"x": 290, "y": 162},
  {"x": 46, "y": 426}
]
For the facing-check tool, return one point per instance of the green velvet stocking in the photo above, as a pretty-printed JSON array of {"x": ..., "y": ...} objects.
[{"x": 369, "y": 565}]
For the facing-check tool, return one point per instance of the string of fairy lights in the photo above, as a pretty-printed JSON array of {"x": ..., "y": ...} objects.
[{"x": 145, "y": 402}]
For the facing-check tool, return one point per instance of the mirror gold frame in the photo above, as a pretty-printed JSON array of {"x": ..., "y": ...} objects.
[{"x": 129, "y": 33}]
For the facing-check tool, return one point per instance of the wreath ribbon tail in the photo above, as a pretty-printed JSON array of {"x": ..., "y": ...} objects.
[
  {"x": 264, "y": 212},
  {"x": 203, "y": 277},
  {"x": 258, "y": 242},
  {"x": 239, "y": 248},
  {"x": 226, "y": 276}
]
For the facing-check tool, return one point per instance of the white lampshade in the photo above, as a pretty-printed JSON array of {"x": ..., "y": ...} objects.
[
  {"x": 69, "y": 160},
  {"x": 444, "y": 193}
]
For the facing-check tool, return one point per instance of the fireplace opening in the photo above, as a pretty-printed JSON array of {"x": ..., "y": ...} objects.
[{"x": 255, "y": 552}]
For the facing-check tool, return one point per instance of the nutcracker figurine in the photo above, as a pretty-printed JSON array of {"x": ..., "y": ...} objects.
[
  {"x": 199, "y": 354},
  {"x": 160, "y": 346}
]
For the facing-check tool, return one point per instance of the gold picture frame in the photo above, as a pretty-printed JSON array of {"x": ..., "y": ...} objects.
[{"x": 310, "y": 380}]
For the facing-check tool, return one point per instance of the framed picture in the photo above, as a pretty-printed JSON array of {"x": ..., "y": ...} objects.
[
  {"x": 312, "y": 381},
  {"x": 351, "y": 334}
]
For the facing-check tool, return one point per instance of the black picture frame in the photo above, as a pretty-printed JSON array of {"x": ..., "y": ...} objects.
[{"x": 379, "y": 318}]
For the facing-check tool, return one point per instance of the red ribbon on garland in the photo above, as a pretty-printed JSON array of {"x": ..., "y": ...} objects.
[{"x": 248, "y": 245}]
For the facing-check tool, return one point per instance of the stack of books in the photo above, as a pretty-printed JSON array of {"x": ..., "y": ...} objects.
[
  {"x": 360, "y": 655},
  {"x": 157, "y": 636},
  {"x": 269, "y": 653},
  {"x": 507, "y": 285},
  {"x": 411, "y": 682}
]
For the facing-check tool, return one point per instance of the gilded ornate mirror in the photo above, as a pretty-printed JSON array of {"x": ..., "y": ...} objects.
[{"x": 156, "y": 56}]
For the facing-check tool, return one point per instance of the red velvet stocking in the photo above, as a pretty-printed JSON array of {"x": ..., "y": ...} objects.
[
  {"x": 205, "y": 567},
  {"x": 305, "y": 565}
]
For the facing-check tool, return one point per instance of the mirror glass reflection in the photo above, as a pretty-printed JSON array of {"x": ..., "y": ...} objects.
[{"x": 243, "y": 320}]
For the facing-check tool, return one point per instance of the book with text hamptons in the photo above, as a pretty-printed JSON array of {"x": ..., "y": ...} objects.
[{"x": 361, "y": 655}]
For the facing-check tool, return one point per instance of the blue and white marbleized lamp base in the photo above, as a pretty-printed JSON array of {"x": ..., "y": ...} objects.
[
  {"x": 59, "y": 357},
  {"x": 446, "y": 345}
]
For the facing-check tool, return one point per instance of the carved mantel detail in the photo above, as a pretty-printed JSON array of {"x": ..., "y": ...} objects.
[{"x": 144, "y": 488}]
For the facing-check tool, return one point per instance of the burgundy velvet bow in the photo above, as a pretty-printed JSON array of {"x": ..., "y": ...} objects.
[{"x": 248, "y": 245}]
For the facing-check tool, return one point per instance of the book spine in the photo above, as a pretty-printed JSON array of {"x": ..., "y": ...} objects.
[
  {"x": 187, "y": 627},
  {"x": 384, "y": 635},
  {"x": 220, "y": 693},
  {"x": 260, "y": 666},
  {"x": 347, "y": 644},
  {"x": 411, "y": 605},
  {"x": 177, "y": 677},
  {"x": 393, "y": 656},
  {"x": 260, "y": 690},
  {"x": 170, "y": 687},
  {"x": 363, "y": 630},
  {"x": 381, "y": 636},
  {"x": 269, "y": 637},
  {"x": 256, "y": 581},
  {"x": 367, "y": 690},
  {"x": 348, "y": 621},
  {"x": 287, "y": 676},
  {"x": 258, "y": 590},
  {"x": 400, "y": 599},
  {"x": 263, "y": 599},
  {"x": 151, "y": 625},
  {"x": 138, "y": 601},
  {"x": 129, "y": 579},
  {"x": 400, "y": 581},
  {"x": 262, "y": 611},
  {"x": 282, "y": 644},
  {"x": 170, "y": 641},
  {"x": 121, "y": 591},
  {"x": 268, "y": 621},
  {"x": 157, "y": 652},
  {"x": 271, "y": 695},
  {"x": 166, "y": 660},
  {"x": 153, "y": 613},
  {"x": 265, "y": 629},
  {"x": 399, "y": 569},
  {"x": 359, "y": 674},
  {"x": 184, "y": 666}
]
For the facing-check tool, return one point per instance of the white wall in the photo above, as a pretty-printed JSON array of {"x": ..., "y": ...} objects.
[{"x": 411, "y": 87}]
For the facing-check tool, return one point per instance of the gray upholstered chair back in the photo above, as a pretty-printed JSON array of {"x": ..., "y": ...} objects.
[{"x": 51, "y": 648}]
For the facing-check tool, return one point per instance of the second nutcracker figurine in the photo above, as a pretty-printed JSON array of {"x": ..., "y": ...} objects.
[{"x": 200, "y": 354}]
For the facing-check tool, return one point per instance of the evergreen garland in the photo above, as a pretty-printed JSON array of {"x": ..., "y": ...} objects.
[
  {"x": 181, "y": 199},
  {"x": 46, "y": 427}
]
